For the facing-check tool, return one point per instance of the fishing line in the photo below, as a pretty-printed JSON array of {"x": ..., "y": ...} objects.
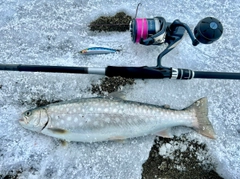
[{"x": 139, "y": 4}]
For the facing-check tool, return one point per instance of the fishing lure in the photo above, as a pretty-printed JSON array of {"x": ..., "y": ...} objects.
[{"x": 98, "y": 50}]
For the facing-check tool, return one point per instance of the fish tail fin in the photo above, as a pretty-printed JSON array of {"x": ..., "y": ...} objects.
[{"x": 202, "y": 125}]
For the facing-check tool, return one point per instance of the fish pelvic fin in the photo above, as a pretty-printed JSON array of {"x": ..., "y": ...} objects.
[
  {"x": 203, "y": 125},
  {"x": 166, "y": 133},
  {"x": 64, "y": 143}
]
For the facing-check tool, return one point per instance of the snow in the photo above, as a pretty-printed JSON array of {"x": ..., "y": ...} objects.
[{"x": 52, "y": 32}]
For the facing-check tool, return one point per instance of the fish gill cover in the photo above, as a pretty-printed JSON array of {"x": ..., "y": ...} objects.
[{"x": 52, "y": 32}]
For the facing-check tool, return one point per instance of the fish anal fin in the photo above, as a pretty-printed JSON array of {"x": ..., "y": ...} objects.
[
  {"x": 166, "y": 106},
  {"x": 117, "y": 95},
  {"x": 57, "y": 130},
  {"x": 166, "y": 133},
  {"x": 117, "y": 138}
]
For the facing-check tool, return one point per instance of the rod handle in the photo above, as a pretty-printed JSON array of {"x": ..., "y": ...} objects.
[{"x": 139, "y": 72}]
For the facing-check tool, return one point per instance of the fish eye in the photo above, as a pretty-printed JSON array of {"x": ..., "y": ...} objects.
[{"x": 28, "y": 113}]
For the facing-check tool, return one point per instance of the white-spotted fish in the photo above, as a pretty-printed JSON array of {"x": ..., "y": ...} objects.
[
  {"x": 103, "y": 119},
  {"x": 98, "y": 50}
]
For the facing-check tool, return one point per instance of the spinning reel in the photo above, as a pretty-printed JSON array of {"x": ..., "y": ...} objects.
[{"x": 156, "y": 31}]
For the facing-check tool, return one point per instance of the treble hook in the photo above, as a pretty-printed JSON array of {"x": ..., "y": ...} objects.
[{"x": 137, "y": 9}]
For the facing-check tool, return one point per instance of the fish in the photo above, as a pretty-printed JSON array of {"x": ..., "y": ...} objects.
[
  {"x": 98, "y": 50},
  {"x": 110, "y": 119}
]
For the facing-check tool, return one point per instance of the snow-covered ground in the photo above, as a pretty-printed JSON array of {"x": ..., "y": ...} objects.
[{"x": 52, "y": 32}]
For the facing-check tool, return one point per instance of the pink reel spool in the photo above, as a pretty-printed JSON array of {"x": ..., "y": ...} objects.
[{"x": 142, "y": 29}]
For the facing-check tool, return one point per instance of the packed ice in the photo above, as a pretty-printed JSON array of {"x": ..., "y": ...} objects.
[{"x": 53, "y": 32}]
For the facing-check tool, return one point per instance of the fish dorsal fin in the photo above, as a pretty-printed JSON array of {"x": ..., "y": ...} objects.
[
  {"x": 166, "y": 133},
  {"x": 117, "y": 95}
]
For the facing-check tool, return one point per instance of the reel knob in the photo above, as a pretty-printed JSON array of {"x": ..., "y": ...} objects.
[{"x": 208, "y": 30}]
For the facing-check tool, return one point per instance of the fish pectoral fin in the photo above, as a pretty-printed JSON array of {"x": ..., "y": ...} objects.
[
  {"x": 57, "y": 130},
  {"x": 166, "y": 133}
]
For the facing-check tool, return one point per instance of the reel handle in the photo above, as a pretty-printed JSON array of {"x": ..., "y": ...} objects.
[{"x": 208, "y": 30}]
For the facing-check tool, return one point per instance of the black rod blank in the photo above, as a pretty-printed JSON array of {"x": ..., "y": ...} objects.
[
  {"x": 216, "y": 75},
  {"x": 128, "y": 72},
  {"x": 43, "y": 68}
]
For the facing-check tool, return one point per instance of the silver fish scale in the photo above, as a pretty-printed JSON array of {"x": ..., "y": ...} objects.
[{"x": 105, "y": 115}]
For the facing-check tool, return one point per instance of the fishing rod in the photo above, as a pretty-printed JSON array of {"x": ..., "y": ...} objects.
[{"x": 150, "y": 31}]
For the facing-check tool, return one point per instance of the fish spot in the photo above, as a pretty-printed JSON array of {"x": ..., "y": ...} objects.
[
  {"x": 106, "y": 110},
  {"x": 62, "y": 121},
  {"x": 144, "y": 110},
  {"x": 69, "y": 118},
  {"x": 121, "y": 111},
  {"x": 75, "y": 119}
]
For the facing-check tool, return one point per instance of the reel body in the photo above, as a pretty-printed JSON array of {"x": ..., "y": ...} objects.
[{"x": 153, "y": 31}]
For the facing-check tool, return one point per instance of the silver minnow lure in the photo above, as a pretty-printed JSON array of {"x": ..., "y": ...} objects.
[
  {"x": 103, "y": 119},
  {"x": 98, "y": 50}
]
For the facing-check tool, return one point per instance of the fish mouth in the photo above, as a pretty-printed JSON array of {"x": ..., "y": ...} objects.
[{"x": 21, "y": 121}]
